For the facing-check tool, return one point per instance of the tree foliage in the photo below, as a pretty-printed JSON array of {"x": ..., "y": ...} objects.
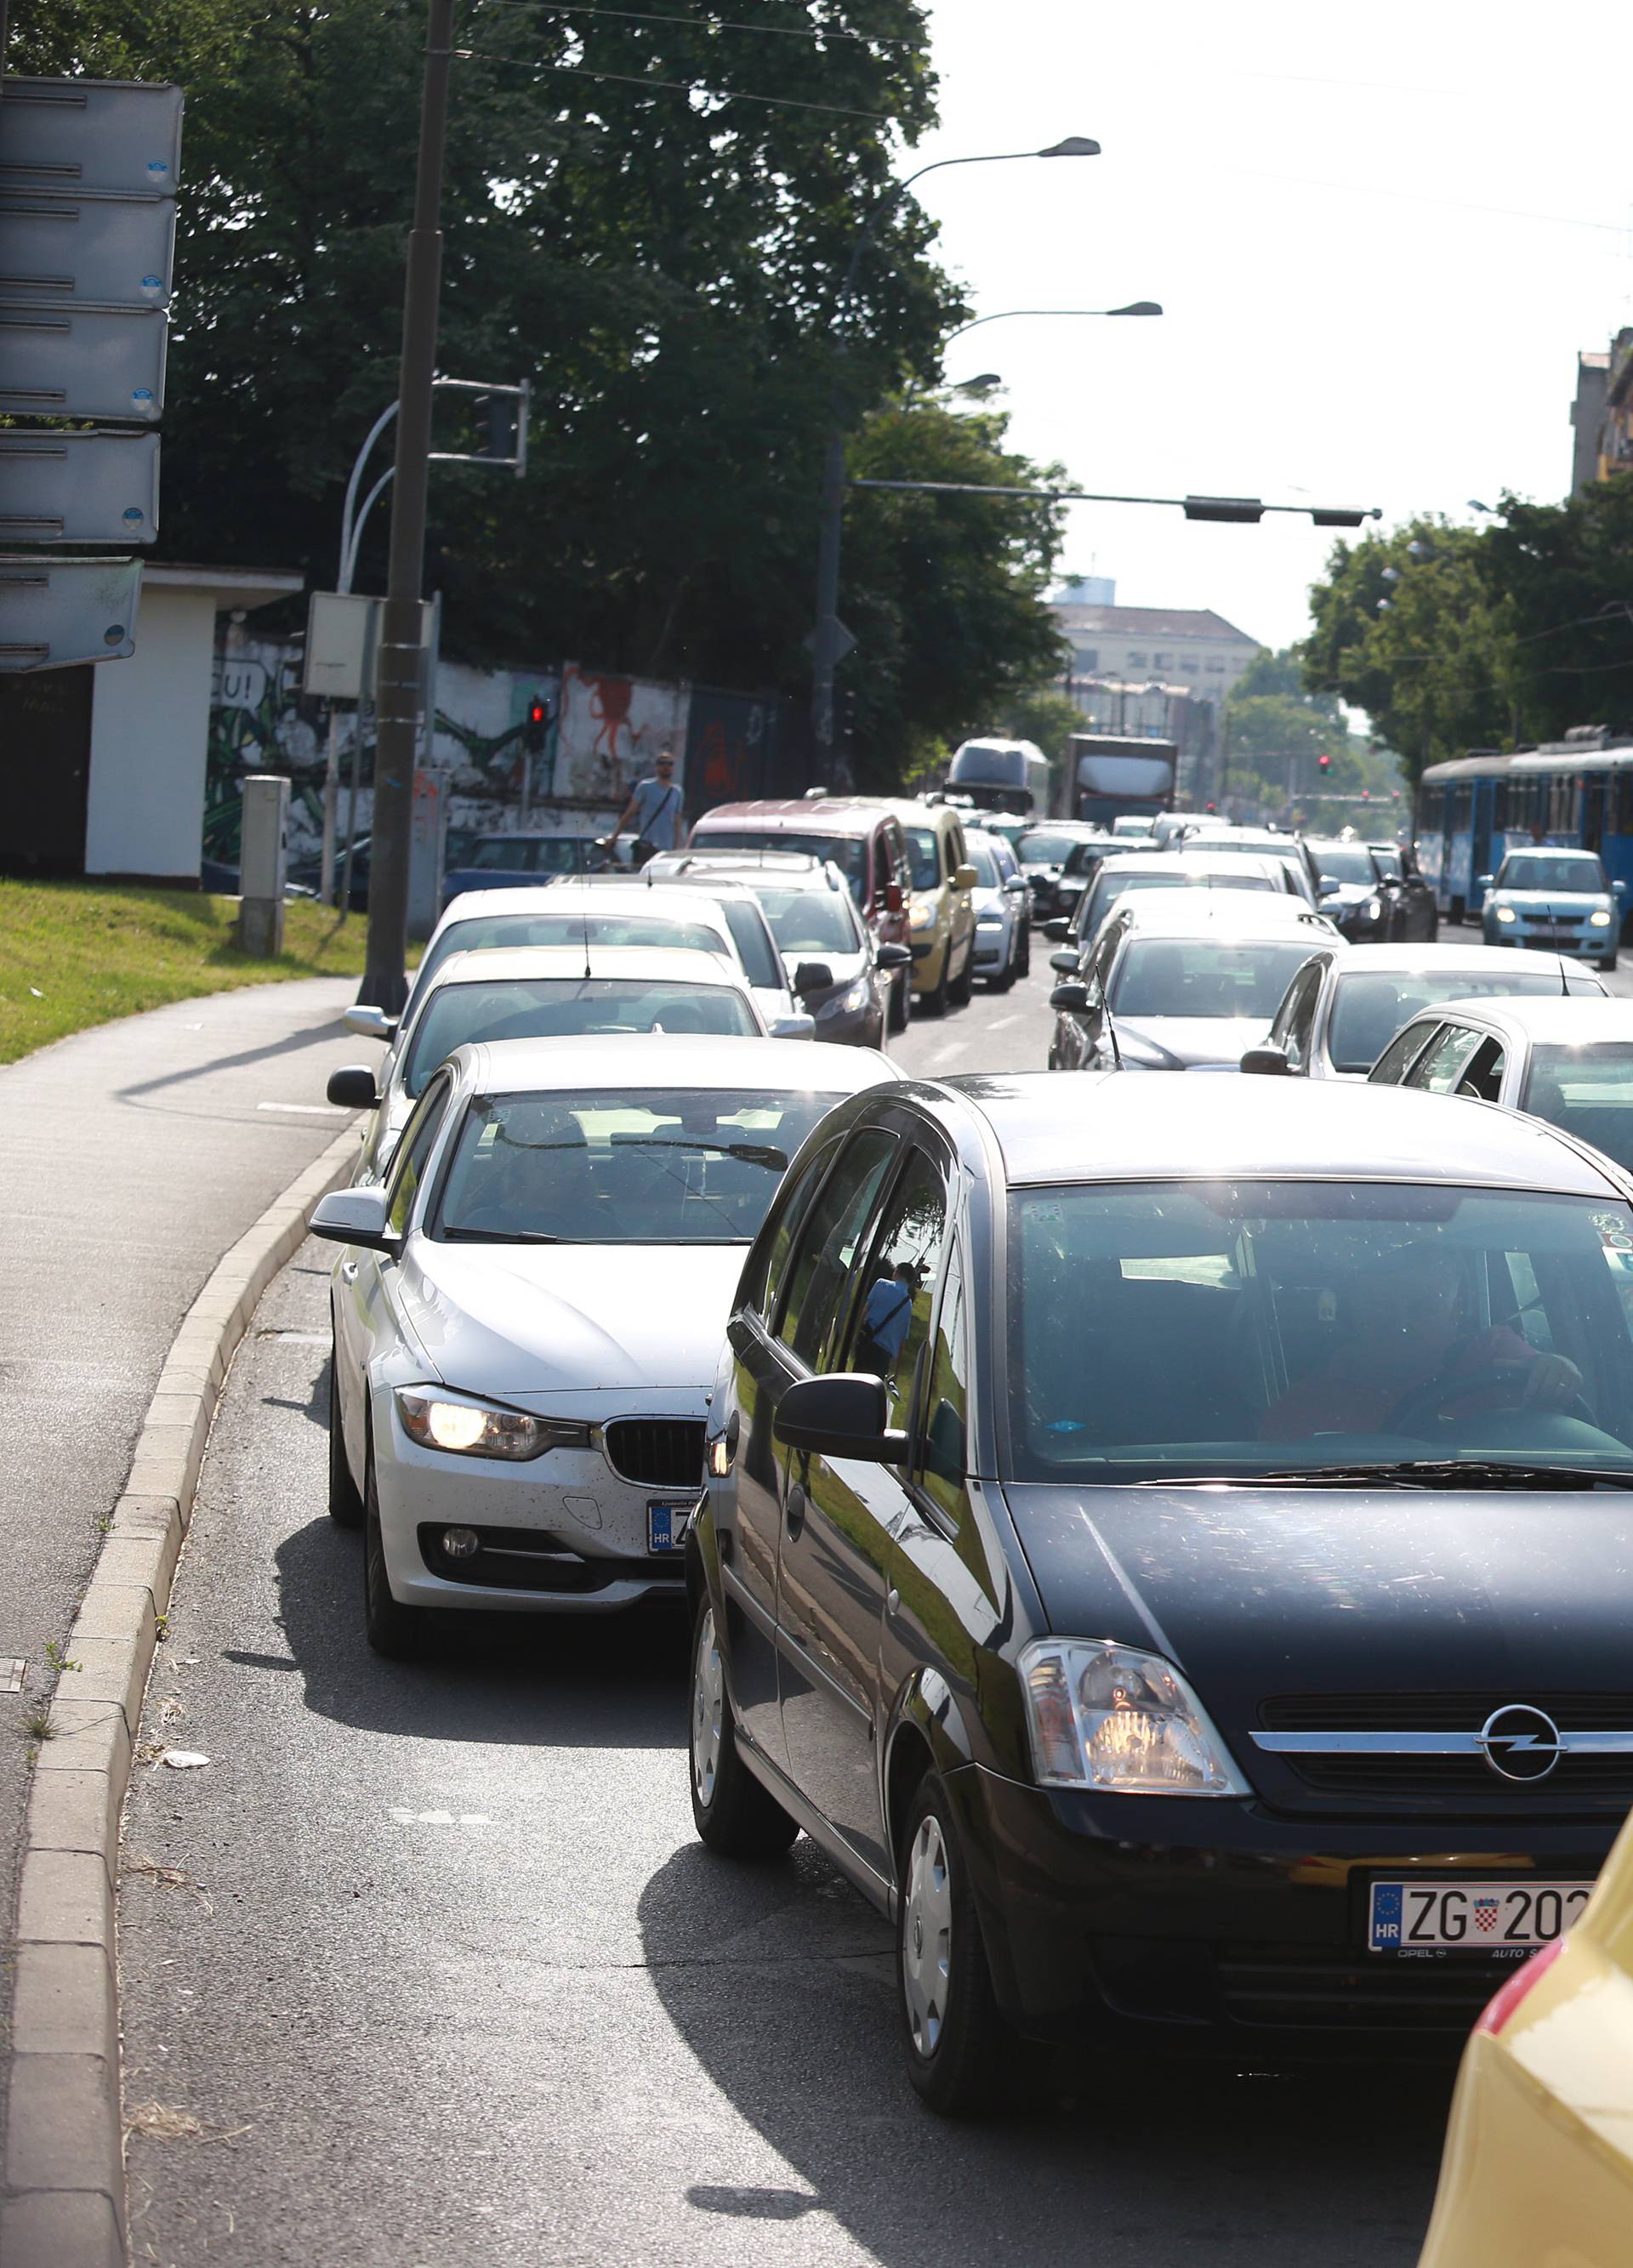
[{"x": 663, "y": 266}]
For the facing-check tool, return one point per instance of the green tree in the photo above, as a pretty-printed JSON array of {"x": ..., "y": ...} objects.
[
  {"x": 944, "y": 593},
  {"x": 1563, "y": 572}
]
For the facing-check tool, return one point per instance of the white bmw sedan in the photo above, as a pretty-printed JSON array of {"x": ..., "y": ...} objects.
[
  {"x": 539, "y": 992},
  {"x": 527, "y": 1315}
]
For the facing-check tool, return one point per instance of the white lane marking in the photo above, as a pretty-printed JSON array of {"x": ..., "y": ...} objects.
[
  {"x": 306, "y": 1109},
  {"x": 1003, "y": 1023},
  {"x": 406, "y": 1818}
]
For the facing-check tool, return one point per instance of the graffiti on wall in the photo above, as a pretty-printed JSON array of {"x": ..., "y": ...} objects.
[{"x": 609, "y": 731}]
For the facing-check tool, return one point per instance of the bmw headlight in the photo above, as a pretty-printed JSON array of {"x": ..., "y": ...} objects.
[
  {"x": 1120, "y": 1722},
  {"x": 1506, "y": 913},
  {"x": 922, "y": 917},
  {"x": 465, "y": 1427},
  {"x": 1599, "y": 918}
]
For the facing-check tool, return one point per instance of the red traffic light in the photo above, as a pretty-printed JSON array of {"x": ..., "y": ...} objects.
[
  {"x": 535, "y": 715},
  {"x": 1325, "y": 762}
]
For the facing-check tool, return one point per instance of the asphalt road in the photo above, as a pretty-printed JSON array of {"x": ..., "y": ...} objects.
[
  {"x": 131, "y": 1157},
  {"x": 425, "y": 1967}
]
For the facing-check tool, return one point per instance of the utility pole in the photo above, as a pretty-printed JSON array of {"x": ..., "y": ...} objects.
[{"x": 397, "y": 738}]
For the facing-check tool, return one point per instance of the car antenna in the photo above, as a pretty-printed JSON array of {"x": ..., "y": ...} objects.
[
  {"x": 1110, "y": 1028},
  {"x": 584, "y": 925}
]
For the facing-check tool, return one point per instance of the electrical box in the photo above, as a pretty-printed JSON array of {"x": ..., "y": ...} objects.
[{"x": 262, "y": 863}]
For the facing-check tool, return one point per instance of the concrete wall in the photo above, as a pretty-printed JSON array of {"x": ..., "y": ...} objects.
[{"x": 150, "y": 732}]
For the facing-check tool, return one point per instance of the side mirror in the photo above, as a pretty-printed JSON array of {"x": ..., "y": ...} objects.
[
  {"x": 1070, "y": 999},
  {"x": 1327, "y": 887},
  {"x": 893, "y": 956},
  {"x": 964, "y": 877},
  {"x": 1064, "y": 963},
  {"x": 1618, "y": 889},
  {"x": 352, "y": 1088},
  {"x": 1058, "y": 925},
  {"x": 893, "y": 899},
  {"x": 1268, "y": 1061},
  {"x": 371, "y": 1023},
  {"x": 1017, "y": 885},
  {"x": 355, "y": 1217},
  {"x": 814, "y": 977},
  {"x": 842, "y": 1415},
  {"x": 1484, "y": 881},
  {"x": 797, "y": 1027}
]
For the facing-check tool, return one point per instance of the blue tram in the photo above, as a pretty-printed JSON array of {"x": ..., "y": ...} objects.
[{"x": 1576, "y": 793}]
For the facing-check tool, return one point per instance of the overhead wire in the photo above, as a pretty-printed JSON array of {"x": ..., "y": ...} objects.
[
  {"x": 668, "y": 85},
  {"x": 708, "y": 23}
]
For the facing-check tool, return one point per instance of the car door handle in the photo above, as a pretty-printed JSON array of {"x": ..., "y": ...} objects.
[
  {"x": 793, "y": 1509},
  {"x": 892, "y": 1601}
]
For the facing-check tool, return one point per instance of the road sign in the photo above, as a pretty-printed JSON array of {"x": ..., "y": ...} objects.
[
  {"x": 96, "y": 245},
  {"x": 57, "y": 612},
  {"x": 82, "y": 362},
  {"x": 77, "y": 488},
  {"x": 90, "y": 133}
]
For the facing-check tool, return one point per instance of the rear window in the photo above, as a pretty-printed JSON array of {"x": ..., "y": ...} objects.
[
  {"x": 1370, "y": 1007},
  {"x": 567, "y": 1007},
  {"x": 809, "y": 921},
  {"x": 849, "y": 853},
  {"x": 1179, "y": 976},
  {"x": 489, "y": 931}
]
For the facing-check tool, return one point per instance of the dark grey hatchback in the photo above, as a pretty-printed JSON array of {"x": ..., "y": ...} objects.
[{"x": 1180, "y": 1570}]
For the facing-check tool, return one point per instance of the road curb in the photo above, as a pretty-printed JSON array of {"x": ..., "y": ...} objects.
[{"x": 64, "y": 2186}]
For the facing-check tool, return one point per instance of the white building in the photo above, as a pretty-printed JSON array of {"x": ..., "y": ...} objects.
[
  {"x": 1188, "y": 646},
  {"x": 107, "y": 762}
]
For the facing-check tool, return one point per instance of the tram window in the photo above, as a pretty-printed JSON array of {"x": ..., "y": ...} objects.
[
  {"x": 1462, "y": 797},
  {"x": 1623, "y": 823}
]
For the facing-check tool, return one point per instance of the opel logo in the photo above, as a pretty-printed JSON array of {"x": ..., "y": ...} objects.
[{"x": 1520, "y": 1743}]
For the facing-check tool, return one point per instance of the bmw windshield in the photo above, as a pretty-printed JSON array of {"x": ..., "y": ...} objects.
[{"x": 1170, "y": 1329}]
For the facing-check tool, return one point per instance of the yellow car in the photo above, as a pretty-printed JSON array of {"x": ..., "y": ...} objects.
[
  {"x": 942, "y": 907},
  {"x": 1538, "y": 2171}
]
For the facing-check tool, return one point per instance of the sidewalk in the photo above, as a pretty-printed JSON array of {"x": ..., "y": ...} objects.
[{"x": 130, "y": 1158}]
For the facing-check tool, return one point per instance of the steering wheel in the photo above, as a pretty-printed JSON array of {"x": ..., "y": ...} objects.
[{"x": 1423, "y": 1404}]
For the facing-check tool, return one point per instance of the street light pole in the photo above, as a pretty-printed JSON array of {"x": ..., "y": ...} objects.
[
  {"x": 831, "y": 641},
  {"x": 397, "y": 732}
]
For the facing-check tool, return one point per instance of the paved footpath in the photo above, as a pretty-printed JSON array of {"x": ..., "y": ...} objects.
[{"x": 131, "y": 1157}]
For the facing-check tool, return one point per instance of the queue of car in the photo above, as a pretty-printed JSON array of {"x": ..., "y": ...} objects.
[{"x": 978, "y": 1423}]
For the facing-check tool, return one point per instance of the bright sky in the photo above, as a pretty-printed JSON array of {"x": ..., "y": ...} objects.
[{"x": 1308, "y": 191}]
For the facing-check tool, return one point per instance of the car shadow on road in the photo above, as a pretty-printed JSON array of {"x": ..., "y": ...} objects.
[
  {"x": 538, "y": 1680},
  {"x": 779, "y": 1979}
]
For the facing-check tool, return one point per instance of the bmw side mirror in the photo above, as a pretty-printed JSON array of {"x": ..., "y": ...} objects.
[
  {"x": 842, "y": 1415},
  {"x": 1070, "y": 999},
  {"x": 370, "y": 1023},
  {"x": 814, "y": 977},
  {"x": 1268, "y": 1061},
  {"x": 355, "y": 1217},
  {"x": 893, "y": 956},
  {"x": 1064, "y": 963},
  {"x": 352, "y": 1088}
]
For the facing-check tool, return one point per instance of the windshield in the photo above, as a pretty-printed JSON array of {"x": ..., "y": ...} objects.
[
  {"x": 1043, "y": 847},
  {"x": 1389, "y": 862},
  {"x": 1206, "y": 975},
  {"x": 488, "y": 930},
  {"x": 1368, "y": 1008},
  {"x": 560, "y": 1007},
  {"x": 924, "y": 857},
  {"x": 652, "y": 1168},
  {"x": 1588, "y": 1090},
  {"x": 848, "y": 852},
  {"x": 1345, "y": 862},
  {"x": 1526, "y": 870},
  {"x": 809, "y": 920},
  {"x": 986, "y": 874},
  {"x": 525, "y": 854},
  {"x": 1085, "y": 856},
  {"x": 1163, "y": 1327}
]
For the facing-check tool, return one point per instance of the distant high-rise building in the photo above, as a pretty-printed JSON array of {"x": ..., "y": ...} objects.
[{"x": 1087, "y": 591}]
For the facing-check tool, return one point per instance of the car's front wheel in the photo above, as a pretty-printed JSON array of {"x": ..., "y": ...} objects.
[
  {"x": 397, "y": 1631},
  {"x": 901, "y": 994},
  {"x": 934, "y": 1001},
  {"x": 345, "y": 1501},
  {"x": 731, "y": 1813},
  {"x": 959, "y": 2048}
]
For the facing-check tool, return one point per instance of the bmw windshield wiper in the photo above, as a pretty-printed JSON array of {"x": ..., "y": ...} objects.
[
  {"x": 503, "y": 1236},
  {"x": 1420, "y": 1472}
]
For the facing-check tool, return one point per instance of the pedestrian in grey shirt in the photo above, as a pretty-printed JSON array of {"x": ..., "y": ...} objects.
[{"x": 654, "y": 811}]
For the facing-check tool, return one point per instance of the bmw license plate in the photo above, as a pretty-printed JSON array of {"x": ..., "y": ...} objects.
[
  {"x": 1501, "y": 1916},
  {"x": 666, "y": 1525}
]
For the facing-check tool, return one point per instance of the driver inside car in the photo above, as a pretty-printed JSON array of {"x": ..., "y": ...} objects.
[{"x": 1410, "y": 1345}]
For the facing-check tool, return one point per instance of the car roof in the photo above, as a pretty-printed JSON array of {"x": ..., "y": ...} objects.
[
  {"x": 1194, "y": 862},
  {"x": 1117, "y": 1126},
  {"x": 821, "y": 815},
  {"x": 649, "y": 1059},
  {"x": 1244, "y": 913},
  {"x": 1580, "y": 1021},
  {"x": 1440, "y": 959},
  {"x": 551, "y": 897},
  {"x": 643, "y": 963},
  {"x": 1548, "y": 851},
  {"x": 730, "y": 862}
]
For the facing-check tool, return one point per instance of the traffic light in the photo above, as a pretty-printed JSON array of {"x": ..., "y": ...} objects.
[
  {"x": 1325, "y": 764},
  {"x": 498, "y": 425},
  {"x": 534, "y": 727}
]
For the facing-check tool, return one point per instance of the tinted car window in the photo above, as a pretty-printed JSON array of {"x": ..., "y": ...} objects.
[
  {"x": 1443, "y": 1067},
  {"x": 924, "y": 852},
  {"x": 893, "y": 1315},
  {"x": 809, "y": 921},
  {"x": 1206, "y": 976},
  {"x": 849, "y": 853},
  {"x": 1370, "y": 1007},
  {"x": 755, "y": 949},
  {"x": 670, "y": 1167},
  {"x": 946, "y": 1414},
  {"x": 487, "y": 931},
  {"x": 832, "y": 1236},
  {"x": 418, "y": 1137},
  {"x": 765, "y": 1296},
  {"x": 1345, "y": 862},
  {"x": 552, "y": 1007},
  {"x": 1402, "y": 1051},
  {"x": 1588, "y": 1090},
  {"x": 1235, "y": 1329}
]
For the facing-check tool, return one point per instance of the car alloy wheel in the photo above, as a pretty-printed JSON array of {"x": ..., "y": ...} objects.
[
  {"x": 927, "y": 1937},
  {"x": 345, "y": 1503},
  {"x": 708, "y": 1704},
  {"x": 731, "y": 1813}
]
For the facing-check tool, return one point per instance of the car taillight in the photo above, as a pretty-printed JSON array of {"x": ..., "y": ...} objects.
[{"x": 1500, "y": 2011}]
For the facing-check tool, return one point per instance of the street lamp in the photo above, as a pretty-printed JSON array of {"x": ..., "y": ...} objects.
[
  {"x": 1012, "y": 314},
  {"x": 831, "y": 641}
]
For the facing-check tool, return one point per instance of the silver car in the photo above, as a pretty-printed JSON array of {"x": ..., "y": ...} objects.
[{"x": 1003, "y": 912}]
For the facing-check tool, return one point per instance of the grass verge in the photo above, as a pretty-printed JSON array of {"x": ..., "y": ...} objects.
[{"x": 77, "y": 953}]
